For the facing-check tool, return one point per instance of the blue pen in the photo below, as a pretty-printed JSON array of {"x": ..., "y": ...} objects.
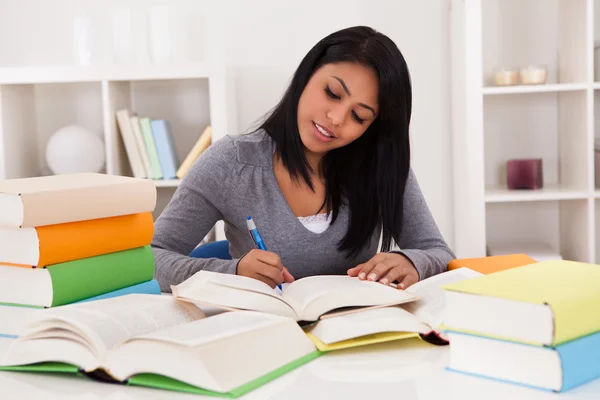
[{"x": 256, "y": 236}]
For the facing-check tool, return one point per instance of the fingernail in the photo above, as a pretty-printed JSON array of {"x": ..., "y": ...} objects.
[
  {"x": 384, "y": 281},
  {"x": 401, "y": 285},
  {"x": 361, "y": 275},
  {"x": 372, "y": 276}
]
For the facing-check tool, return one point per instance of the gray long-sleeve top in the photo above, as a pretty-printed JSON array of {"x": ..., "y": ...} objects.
[{"x": 234, "y": 179}]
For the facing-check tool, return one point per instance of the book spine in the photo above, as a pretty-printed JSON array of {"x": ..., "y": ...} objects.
[
  {"x": 149, "y": 287},
  {"x": 76, "y": 240},
  {"x": 73, "y": 281},
  {"x": 579, "y": 359},
  {"x": 61, "y": 206}
]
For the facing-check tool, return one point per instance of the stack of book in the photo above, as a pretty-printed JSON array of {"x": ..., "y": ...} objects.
[
  {"x": 72, "y": 238},
  {"x": 537, "y": 325},
  {"x": 151, "y": 148}
]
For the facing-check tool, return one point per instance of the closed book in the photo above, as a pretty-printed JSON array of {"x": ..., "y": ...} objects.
[
  {"x": 556, "y": 368},
  {"x": 72, "y": 281},
  {"x": 146, "y": 129},
  {"x": 203, "y": 142},
  {"x": 53, "y": 244},
  {"x": 546, "y": 303},
  {"x": 165, "y": 147},
  {"x": 57, "y": 199},
  {"x": 131, "y": 144},
  {"x": 158, "y": 342},
  {"x": 488, "y": 265}
]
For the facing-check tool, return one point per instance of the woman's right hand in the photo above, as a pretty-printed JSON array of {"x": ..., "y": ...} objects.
[{"x": 264, "y": 266}]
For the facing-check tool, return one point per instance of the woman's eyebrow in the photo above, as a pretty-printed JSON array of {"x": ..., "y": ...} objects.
[{"x": 341, "y": 81}]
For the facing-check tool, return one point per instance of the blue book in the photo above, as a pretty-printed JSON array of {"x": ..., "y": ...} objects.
[
  {"x": 552, "y": 368},
  {"x": 149, "y": 287},
  {"x": 165, "y": 147}
]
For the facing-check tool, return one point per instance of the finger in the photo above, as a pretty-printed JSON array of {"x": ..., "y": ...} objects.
[
  {"x": 393, "y": 274},
  {"x": 380, "y": 269},
  {"x": 409, "y": 279},
  {"x": 265, "y": 279},
  {"x": 271, "y": 272},
  {"x": 355, "y": 270},
  {"x": 369, "y": 265},
  {"x": 287, "y": 277},
  {"x": 270, "y": 258}
]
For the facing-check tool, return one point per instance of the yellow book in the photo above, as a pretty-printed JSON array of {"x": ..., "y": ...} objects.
[
  {"x": 361, "y": 341},
  {"x": 546, "y": 303},
  {"x": 203, "y": 142}
]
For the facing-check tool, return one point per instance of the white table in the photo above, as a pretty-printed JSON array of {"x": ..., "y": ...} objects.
[{"x": 406, "y": 370}]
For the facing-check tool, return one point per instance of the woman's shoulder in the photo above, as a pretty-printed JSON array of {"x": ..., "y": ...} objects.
[{"x": 254, "y": 148}]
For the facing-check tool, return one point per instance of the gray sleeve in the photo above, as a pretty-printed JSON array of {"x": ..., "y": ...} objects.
[
  {"x": 421, "y": 240},
  {"x": 198, "y": 203}
]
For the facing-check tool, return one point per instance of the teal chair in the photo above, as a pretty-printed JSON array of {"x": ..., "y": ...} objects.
[{"x": 218, "y": 249}]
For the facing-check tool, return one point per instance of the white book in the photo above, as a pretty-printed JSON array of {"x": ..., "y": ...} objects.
[
  {"x": 130, "y": 142},
  {"x": 149, "y": 340},
  {"x": 306, "y": 299}
]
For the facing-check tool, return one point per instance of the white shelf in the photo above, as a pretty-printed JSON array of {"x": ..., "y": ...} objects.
[
  {"x": 500, "y": 194},
  {"x": 68, "y": 74},
  {"x": 555, "y": 122},
  {"x": 167, "y": 183},
  {"x": 545, "y": 88}
]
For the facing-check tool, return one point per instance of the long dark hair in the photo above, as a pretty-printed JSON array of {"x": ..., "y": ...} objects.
[{"x": 370, "y": 173}]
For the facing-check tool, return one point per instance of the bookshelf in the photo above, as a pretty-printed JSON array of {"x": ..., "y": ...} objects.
[
  {"x": 555, "y": 121},
  {"x": 37, "y": 101}
]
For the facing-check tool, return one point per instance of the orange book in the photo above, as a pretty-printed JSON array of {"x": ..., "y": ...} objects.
[
  {"x": 488, "y": 265},
  {"x": 53, "y": 244}
]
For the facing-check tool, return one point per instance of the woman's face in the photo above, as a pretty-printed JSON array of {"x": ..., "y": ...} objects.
[{"x": 337, "y": 106}]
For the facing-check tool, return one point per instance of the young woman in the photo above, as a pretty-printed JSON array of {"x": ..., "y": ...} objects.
[{"x": 326, "y": 179}]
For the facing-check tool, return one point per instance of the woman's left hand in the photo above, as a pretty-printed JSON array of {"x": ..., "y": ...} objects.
[{"x": 386, "y": 268}]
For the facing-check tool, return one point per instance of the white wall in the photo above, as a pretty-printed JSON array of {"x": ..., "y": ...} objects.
[{"x": 263, "y": 40}]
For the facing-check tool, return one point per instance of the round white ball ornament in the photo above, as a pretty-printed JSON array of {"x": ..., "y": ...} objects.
[{"x": 74, "y": 149}]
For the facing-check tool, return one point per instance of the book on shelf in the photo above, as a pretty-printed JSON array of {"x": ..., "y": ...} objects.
[
  {"x": 119, "y": 340},
  {"x": 558, "y": 368},
  {"x": 203, "y": 142},
  {"x": 547, "y": 303},
  {"x": 491, "y": 264},
  {"x": 53, "y": 244},
  {"x": 150, "y": 146},
  {"x": 304, "y": 300},
  {"x": 422, "y": 318},
  {"x": 14, "y": 318},
  {"x": 131, "y": 143},
  {"x": 141, "y": 146},
  {"x": 56, "y": 199},
  {"x": 165, "y": 147}
]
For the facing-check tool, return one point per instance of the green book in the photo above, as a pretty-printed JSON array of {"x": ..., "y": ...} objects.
[
  {"x": 72, "y": 281},
  {"x": 117, "y": 340},
  {"x": 146, "y": 128}
]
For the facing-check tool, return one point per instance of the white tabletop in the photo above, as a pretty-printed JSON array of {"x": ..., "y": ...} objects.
[{"x": 408, "y": 369}]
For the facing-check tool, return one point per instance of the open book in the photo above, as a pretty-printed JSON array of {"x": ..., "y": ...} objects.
[
  {"x": 159, "y": 342},
  {"x": 307, "y": 299},
  {"x": 421, "y": 318}
]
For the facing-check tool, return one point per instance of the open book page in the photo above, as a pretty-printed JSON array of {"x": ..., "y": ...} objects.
[
  {"x": 366, "y": 322},
  {"x": 209, "y": 292},
  {"x": 105, "y": 323},
  {"x": 341, "y": 291},
  {"x": 198, "y": 333},
  {"x": 200, "y": 278},
  {"x": 431, "y": 305}
]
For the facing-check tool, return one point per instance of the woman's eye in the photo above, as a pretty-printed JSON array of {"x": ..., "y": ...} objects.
[
  {"x": 331, "y": 94},
  {"x": 357, "y": 118}
]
